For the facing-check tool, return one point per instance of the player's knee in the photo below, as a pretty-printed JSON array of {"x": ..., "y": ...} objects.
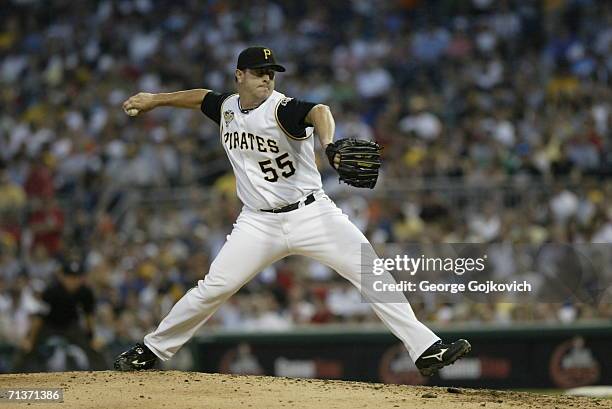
[
  {"x": 212, "y": 291},
  {"x": 215, "y": 287}
]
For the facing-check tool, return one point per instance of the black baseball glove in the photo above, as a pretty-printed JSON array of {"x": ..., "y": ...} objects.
[{"x": 359, "y": 161}]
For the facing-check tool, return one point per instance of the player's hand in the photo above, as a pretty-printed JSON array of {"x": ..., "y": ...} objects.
[
  {"x": 141, "y": 102},
  {"x": 336, "y": 158}
]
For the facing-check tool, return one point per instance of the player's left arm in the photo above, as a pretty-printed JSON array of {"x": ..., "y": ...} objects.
[
  {"x": 294, "y": 116},
  {"x": 321, "y": 118}
]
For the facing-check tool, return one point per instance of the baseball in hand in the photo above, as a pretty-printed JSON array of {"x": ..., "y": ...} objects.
[{"x": 132, "y": 112}]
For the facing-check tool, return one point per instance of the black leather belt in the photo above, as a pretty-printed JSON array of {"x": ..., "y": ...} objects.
[{"x": 309, "y": 199}]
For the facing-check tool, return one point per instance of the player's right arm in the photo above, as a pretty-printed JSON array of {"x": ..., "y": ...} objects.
[{"x": 144, "y": 101}]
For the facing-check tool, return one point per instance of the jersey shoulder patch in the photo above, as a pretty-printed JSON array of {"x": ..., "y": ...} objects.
[{"x": 228, "y": 116}]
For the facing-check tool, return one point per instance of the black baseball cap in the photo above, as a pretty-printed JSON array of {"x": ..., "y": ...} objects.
[{"x": 258, "y": 57}]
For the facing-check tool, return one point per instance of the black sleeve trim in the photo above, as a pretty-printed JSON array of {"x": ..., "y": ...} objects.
[
  {"x": 211, "y": 105},
  {"x": 290, "y": 116}
]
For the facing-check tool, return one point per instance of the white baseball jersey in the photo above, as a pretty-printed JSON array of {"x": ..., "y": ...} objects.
[{"x": 272, "y": 167}]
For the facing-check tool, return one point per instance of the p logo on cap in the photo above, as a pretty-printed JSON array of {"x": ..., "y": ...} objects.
[{"x": 258, "y": 57}]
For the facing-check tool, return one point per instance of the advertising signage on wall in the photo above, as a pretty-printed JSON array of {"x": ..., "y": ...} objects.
[{"x": 563, "y": 358}]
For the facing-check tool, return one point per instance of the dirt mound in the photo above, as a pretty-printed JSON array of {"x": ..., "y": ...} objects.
[{"x": 173, "y": 389}]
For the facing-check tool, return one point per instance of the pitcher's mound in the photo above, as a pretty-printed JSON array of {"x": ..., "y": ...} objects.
[{"x": 174, "y": 389}]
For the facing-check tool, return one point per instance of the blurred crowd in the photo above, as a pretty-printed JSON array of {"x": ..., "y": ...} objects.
[{"x": 495, "y": 117}]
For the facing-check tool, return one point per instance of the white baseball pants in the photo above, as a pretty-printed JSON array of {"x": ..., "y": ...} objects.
[{"x": 319, "y": 230}]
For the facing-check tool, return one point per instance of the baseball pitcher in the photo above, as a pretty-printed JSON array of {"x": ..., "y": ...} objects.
[{"x": 269, "y": 141}]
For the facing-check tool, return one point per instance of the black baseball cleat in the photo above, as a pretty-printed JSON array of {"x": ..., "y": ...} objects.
[
  {"x": 439, "y": 355},
  {"x": 137, "y": 358}
]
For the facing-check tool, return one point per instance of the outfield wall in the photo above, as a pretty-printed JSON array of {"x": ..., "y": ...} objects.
[{"x": 533, "y": 356}]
